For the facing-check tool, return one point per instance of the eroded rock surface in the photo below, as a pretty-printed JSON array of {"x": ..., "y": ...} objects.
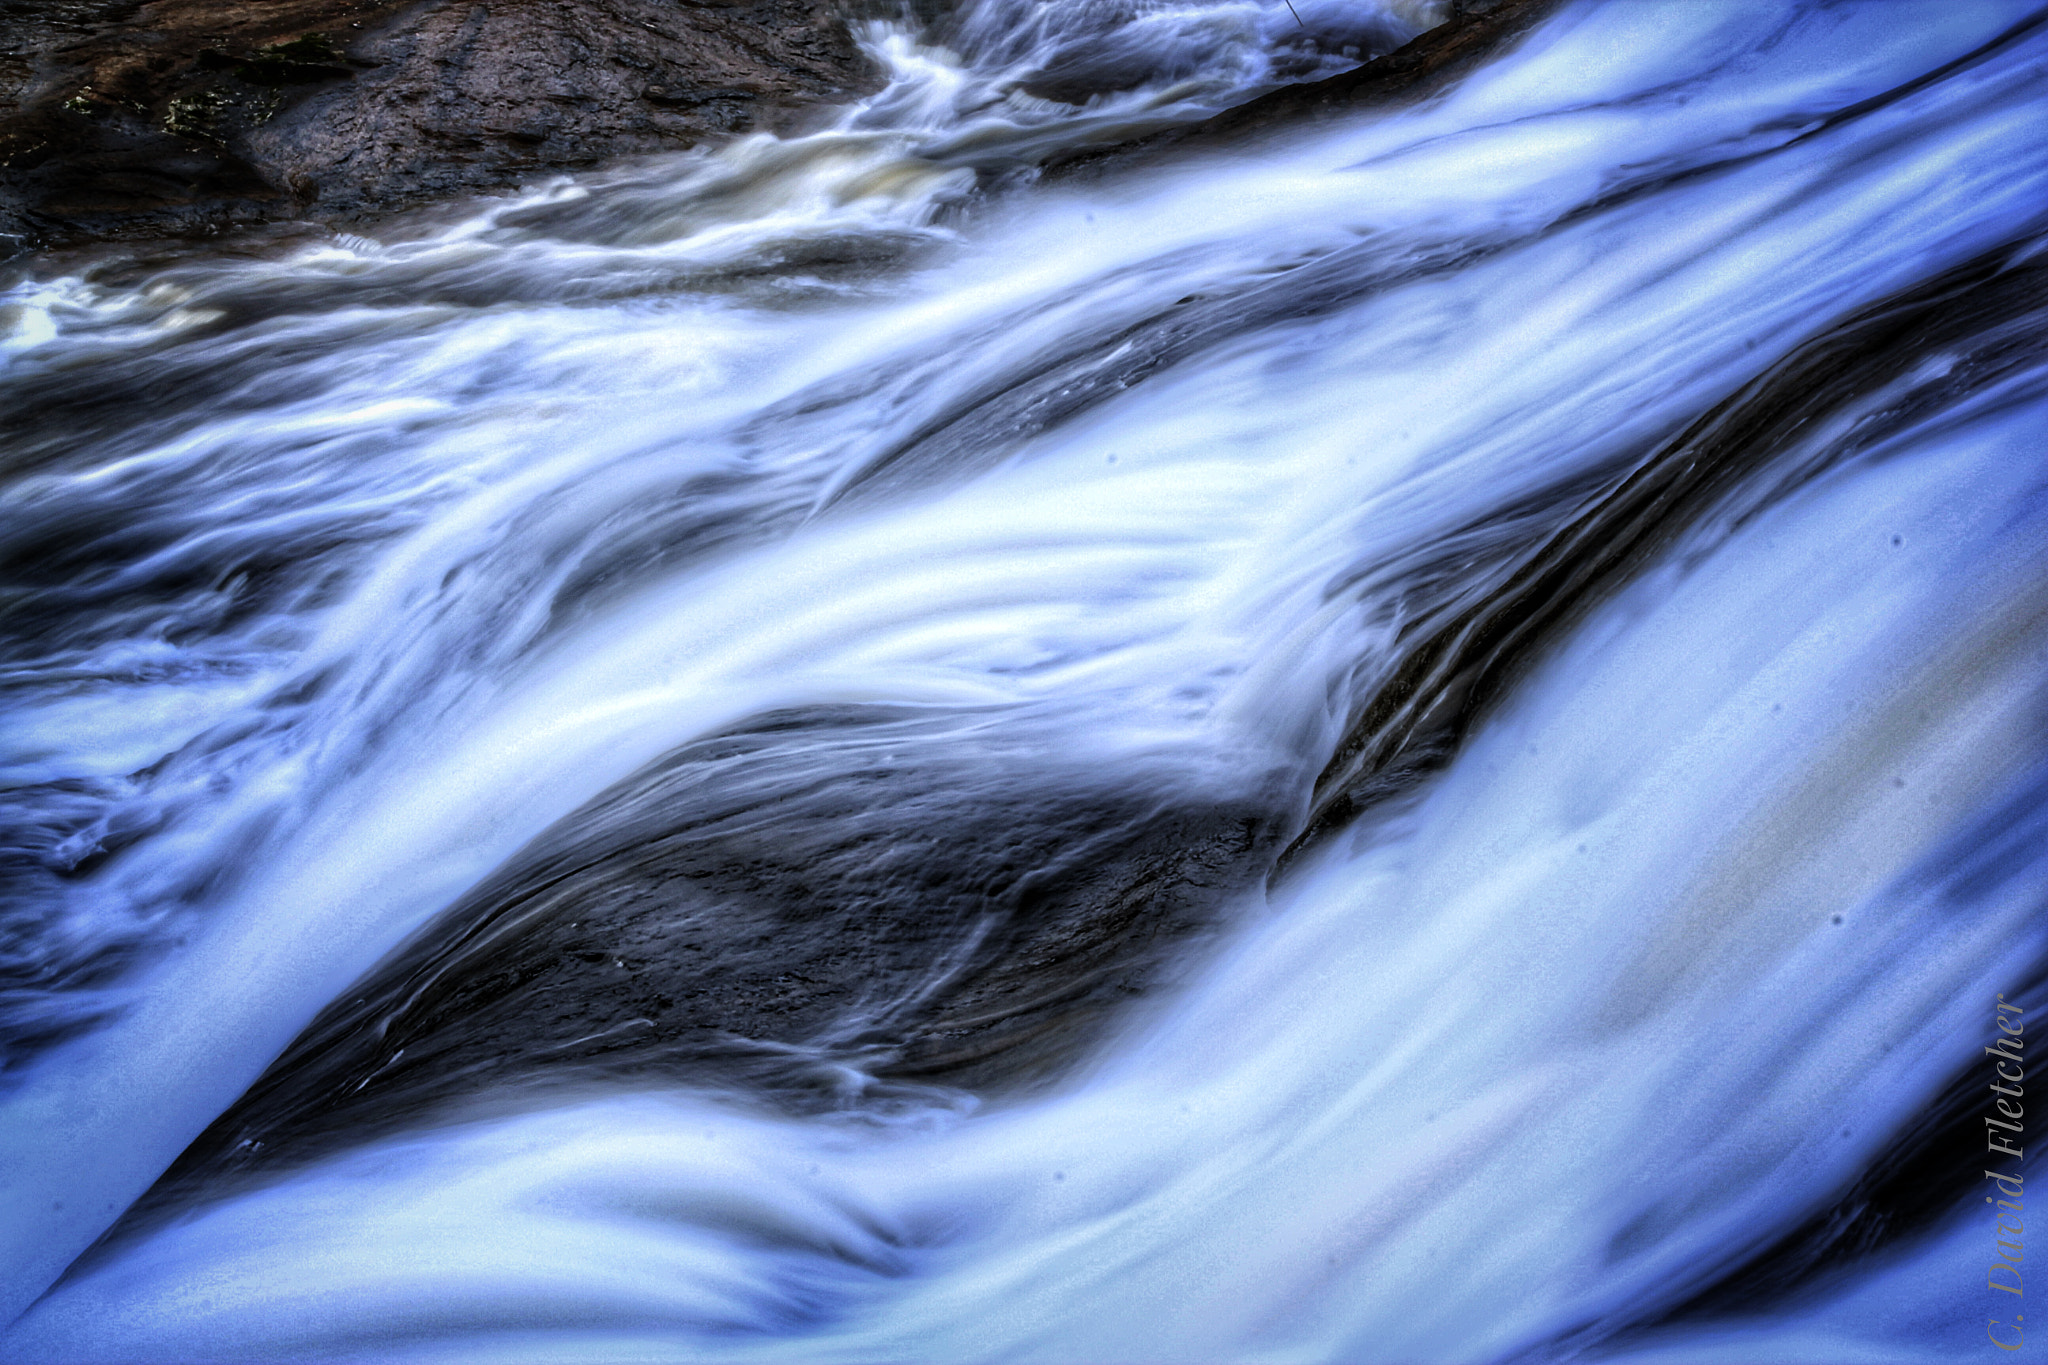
[
  {"x": 125, "y": 119},
  {"x": 810, "y": 910}
]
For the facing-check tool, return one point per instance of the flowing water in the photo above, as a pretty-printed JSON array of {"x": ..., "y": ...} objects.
[{"x": 1416, "y": 737}]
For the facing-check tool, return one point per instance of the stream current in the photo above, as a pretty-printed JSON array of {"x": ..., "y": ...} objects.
[{"x": 1413, "y": 735}]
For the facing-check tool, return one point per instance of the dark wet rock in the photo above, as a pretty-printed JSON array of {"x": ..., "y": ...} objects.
[
  {"x": 1926, "y": 348},
  {"x": 126, "y": 119},
  {"x": 1474, "y": 31},
  {"x": 817, "y": 911}
]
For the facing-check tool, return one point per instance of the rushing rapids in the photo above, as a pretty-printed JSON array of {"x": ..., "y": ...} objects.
[{"x": 1410, "y": 736}]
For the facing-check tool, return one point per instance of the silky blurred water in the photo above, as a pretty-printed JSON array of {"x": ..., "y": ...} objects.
[{"x": 334, "y": 578}]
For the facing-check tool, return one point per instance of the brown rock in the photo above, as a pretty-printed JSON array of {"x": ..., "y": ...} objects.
[{"x": 126, "y": 119}]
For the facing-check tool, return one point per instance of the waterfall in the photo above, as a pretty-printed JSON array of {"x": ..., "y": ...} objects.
[{"x": 1411, "y": 736}]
